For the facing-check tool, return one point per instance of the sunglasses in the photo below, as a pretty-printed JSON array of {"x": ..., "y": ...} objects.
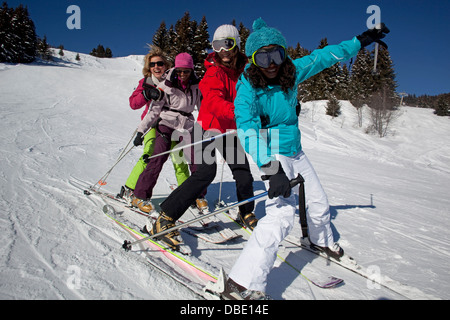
[
  {"x": 263, "y": 58},
  {"x": 179, "y": 71},
  {"x": 224, "y": 44},
  {"x": 157, "y": 63}
]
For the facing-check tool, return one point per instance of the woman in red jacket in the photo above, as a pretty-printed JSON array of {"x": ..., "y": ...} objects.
[{"x": 224, "y": 67}]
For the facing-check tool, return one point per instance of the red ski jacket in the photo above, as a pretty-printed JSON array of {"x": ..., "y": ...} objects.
[{"x": 218, "y": 88}]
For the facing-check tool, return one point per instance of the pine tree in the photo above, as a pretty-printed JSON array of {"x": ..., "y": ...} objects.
[
  {"x": 200, "y": 47},
  {"x": 185, "y": 31},
  {"x": 17, "y": 35},
  {"x": 43, "y": 49},
  {"x": 108, "y": 53},
  {"x": 244, "y": 33},
  {"x": 27, "y": 33},
  {"x": 384, "y": 79},
  {"x": 101, "y": 52},
  {"x": 361, "y": 78},
  {"x": 442, "y": 107},
  {"x": 172, "y": 44},
  {"x": 343, "y": 85},
  {"x": 187, "y": 36},
  {"x": 5, "y": 33},
  {"x": 93, "y": 52},
  {"x": 328, "y": 80},
  {"x": 161, "y": 37},
  {"x": 333, "y": 106}
]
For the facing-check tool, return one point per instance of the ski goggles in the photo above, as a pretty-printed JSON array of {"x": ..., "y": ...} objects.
[
  {"x": 224, "y": 44},
  {"x": 263, "y": 58}
]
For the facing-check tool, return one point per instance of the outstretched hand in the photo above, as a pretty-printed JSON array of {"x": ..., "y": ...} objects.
[{"x": 374, "y": 35}]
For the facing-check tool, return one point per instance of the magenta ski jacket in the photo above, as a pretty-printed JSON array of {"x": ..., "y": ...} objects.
[{"x": 137, "y": 100}]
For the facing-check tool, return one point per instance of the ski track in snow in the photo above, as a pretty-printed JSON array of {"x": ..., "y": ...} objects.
[{"x": 388, "y": 196}]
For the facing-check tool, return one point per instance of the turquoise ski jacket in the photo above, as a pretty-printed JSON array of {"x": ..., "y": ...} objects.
[{"x": 266, "y": 119}]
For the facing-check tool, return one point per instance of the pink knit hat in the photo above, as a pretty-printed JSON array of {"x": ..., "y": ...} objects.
[{"x": 184, "y": 60}]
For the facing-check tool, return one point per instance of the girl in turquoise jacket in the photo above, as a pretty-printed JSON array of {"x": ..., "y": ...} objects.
[{"x": 267, "y": 123}]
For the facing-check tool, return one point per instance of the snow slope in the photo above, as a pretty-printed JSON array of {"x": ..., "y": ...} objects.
[{"x": 389, "y": 197}]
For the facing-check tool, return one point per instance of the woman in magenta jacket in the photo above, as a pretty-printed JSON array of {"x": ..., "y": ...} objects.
[
  {"x": 216, "y": 114},
  {"x": 171, "y": 116},
  {"x": 154, "y": 71}
]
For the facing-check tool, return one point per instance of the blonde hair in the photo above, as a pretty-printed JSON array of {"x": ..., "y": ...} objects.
[{"x": 154, "y": 52}]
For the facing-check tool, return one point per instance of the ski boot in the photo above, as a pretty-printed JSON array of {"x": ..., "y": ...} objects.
[
  {"x": 126, "y": 194},
  {"x": 201, "y": 204},
  {"x": 172, "y": 239},
  {"x": 249, "y": 220},
  {"x": 335, "y": 251},
  {"x": 143, "y": 205}
]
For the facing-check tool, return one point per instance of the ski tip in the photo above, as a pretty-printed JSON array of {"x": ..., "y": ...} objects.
[
  {"x": 213, "y": 290},
  {"x": 329, "y": 283},
  {"x": 108, "y": 209}
]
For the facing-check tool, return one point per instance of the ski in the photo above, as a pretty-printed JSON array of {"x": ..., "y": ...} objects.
[
  {"x": 214, "y": 290},
  {"x": 209, "y": 231},
  {"x": 326, "y": 282},
  {"x": 322, "y": 281},
  {"x": 348, "y": 263},
  {"x": 179, "y": 269},
  {"x": 345, "y": 261},
  {"x": 220, "y": 233}
]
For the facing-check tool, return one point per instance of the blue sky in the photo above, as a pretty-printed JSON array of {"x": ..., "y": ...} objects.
[{"x": 418, "y": 43}]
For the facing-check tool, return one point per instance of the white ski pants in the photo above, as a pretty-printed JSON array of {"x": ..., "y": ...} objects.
[{"x": 258, "y": 257}]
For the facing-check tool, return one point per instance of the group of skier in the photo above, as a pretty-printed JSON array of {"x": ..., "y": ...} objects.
[{"x": 254, "y": 94}]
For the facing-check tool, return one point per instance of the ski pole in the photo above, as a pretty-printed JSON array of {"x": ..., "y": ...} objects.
[
  {"x": 127, "y": 245},
  {"x": 221, "y": 182},
  {"x": 384, "y": 29},
  {"x": 375, "y": 58},
  {"x": 102, "y": 180},
  {"x": 302, "y": 207},
  {"x": 192, "y": 144}
]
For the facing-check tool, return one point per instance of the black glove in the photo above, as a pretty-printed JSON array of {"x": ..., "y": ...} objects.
[
  {"x": 139, "y": 139},
  {"x": 374, "y": 35},
  {"x": 279, "y": 184},
  {"x": 152, "y": 93}
]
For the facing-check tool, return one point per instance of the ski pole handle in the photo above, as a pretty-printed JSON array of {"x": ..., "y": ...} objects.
[
  {"x": 127, "y": 244},
  {"x": 299, "y": 179}
]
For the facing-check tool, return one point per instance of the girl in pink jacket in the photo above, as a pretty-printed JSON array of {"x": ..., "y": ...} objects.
[
  {"x": 172, "y": 117},
  {"x": 154, "y": 71}
]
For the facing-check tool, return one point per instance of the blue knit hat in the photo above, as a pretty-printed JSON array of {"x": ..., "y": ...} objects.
[{"x": 262, "y": 36}]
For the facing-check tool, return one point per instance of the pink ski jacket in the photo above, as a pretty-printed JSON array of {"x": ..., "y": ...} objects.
[{"x": 137, "y": 99}]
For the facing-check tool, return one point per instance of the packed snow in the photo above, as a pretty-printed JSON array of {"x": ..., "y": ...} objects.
[{"x": 70, "y": 119}]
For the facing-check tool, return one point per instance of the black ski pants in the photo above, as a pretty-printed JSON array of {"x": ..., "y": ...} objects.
[{"x": 206, "y": 168}]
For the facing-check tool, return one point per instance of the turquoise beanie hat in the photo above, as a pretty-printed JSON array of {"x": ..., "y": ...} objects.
[{"x": 262, "y": 36}]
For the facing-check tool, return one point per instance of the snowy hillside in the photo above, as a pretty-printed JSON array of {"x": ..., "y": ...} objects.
[{"x": 389, "y": 196}]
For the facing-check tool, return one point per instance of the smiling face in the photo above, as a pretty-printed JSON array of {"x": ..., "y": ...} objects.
[
  {"x": 271, "y": 72},
  {"x": 184, "y": 74},
  {"x": 157, "y": 67}
]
